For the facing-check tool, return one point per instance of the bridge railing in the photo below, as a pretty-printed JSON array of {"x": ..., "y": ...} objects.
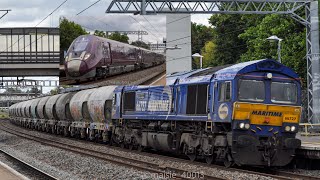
[{"x": 29, "y": 57}]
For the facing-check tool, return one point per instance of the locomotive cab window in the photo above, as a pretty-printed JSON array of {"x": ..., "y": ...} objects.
[
  {"x": 197, "y": 99},
  {"x": 283, "y": 93},
  {"x": 225, "y": 91},
  {"x": 129, "y": 101},
  {"x": 251, "y": 90}
]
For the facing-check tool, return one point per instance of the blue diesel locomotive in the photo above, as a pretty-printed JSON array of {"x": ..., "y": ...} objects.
[{"x": 244, "y": 114}]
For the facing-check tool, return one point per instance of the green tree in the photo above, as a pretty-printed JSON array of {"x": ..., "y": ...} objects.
[
  {"x": 68, "y": 32},
  {"x": 140, "y": 44},
  {"x": 119, "y": 37},
  {"x": 208, "y": 54},
  {"x": 99, "y": 33},
  {"x": 200, "y": 34},
  {"x": 292, "y": 47},
  {"x": 54, "y": 91},
  {"x": 229, "y": 46}
]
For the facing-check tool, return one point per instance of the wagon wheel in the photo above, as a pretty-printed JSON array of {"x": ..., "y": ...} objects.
[
  {"x": 65, "y": 131},
  {"x": 52, "y": 130}
]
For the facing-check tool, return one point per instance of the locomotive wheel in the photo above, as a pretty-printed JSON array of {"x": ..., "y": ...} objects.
[
  {"x": 140, "y": 148},
  {"x": 227, "y": 163},
  {"x": 131, "y": 147},
  {"x": 192, "y": 157},
  {"x": 209, "y": 159}
]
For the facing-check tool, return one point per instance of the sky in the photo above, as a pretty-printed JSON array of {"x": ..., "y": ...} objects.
[{"x": 30, "y": 13}]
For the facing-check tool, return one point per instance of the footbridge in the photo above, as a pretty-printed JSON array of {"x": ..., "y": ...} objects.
[{"x": 29, "y": 52}]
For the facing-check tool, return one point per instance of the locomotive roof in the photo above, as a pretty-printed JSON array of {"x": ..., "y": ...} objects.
[{"x": 229, "y": 72}]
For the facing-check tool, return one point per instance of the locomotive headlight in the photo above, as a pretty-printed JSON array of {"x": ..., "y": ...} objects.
[
  {"x": 293, "y": 128},
  {"x": 247, "y": 126},
  {"x": 86, "y": 56},
  {"x": 287, "y": 128},
  {"x": 269, "y": 75},
  {"x": 241, "y": 125}
]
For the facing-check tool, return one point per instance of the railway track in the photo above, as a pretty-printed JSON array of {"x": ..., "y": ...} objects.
[
  {"x": 28, "y": 168},
  {"x": 123, "y": 161},
  {"x": 148, "y": 166},
  {"x": 121, "y": 79}
]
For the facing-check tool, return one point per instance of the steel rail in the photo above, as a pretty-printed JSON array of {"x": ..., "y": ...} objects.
[
  {"x": 120, "y": 160},
  {"x": 278, "y": 174},
  {"x": 31, "y": 167}
]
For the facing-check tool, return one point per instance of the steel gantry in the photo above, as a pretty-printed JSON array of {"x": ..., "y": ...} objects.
[
  {"x": 11, "y": 90},
  {"x": 289, "y": 7},
  {"x": 6, "y": 11}
]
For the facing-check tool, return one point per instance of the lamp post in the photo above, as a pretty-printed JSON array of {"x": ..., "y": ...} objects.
[
  {"x": 198, "y": 55},
  {"x": 275, "y": 38}
]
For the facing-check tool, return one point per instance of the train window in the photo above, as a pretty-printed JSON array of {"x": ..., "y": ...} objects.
[
  {"x": 80, "y": 44},
  {"x": 105, "y": 50},
  {"x": 247, "y": 93},
  {"x": 225, "y": 91},
  {"x": 197, "y": 99},
  {"x": 284, "y": 93},
  {"x": 129, "y": 101}
]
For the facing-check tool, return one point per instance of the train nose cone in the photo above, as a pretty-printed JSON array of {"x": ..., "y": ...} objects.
[{"x": 74, "y": 68}]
